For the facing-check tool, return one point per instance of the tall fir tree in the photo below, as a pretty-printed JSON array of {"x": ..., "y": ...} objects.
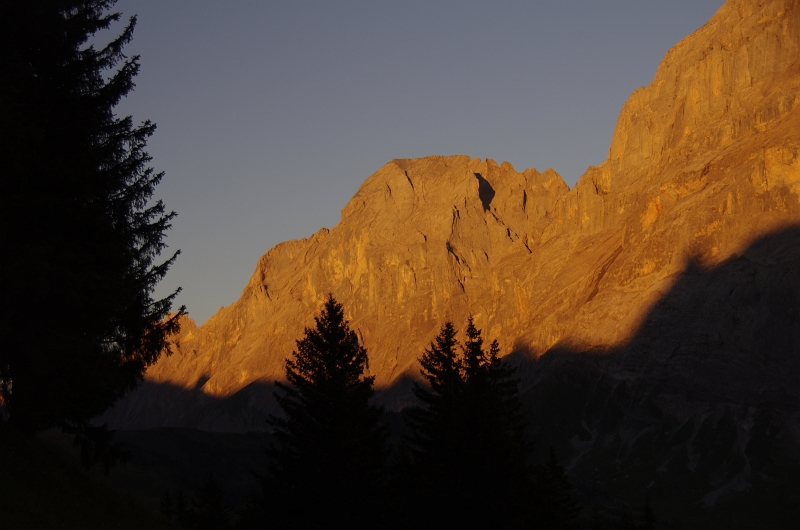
[
  {"x": 554, "y": 492},
  {"x": 434, "y": 422},
  {"x": 79, "y": 231},
  {"x": 466, "y": 451},
  {"x": 327, "y": 462},
  {"x": 497, "y": 423}
]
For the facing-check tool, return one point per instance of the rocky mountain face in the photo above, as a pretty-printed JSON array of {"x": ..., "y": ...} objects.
[
  {"x": 701, "y": 406},
  {"x": 655, "y": 301}
]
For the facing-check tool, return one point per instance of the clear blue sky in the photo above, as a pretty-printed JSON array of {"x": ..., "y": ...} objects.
[{"x": 271, "y": 113}]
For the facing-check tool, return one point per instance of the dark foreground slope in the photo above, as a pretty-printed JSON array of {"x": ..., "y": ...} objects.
[{"x": 39, "y": 490}]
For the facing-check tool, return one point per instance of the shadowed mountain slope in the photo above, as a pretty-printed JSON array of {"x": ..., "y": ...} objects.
[
  {"x": 39, "y": 489},
  {"x": 701, "y": 407}
]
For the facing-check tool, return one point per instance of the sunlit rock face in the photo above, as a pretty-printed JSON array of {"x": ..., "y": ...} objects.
[
  {"x": 422, "y": 241},
  {"x": 703, "y": 162}
]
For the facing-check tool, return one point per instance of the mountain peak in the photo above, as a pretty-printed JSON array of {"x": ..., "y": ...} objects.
[{"x": 703, "y": 161}]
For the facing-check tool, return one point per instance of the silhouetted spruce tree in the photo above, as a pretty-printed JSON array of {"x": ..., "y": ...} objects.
[
  {"x": 327, "y": 462},
  {"x": 466, "y": 452},
  {"x": 430, "y": 464},
  {"x": 554, "y": 493},
  {"x": 79, "y": 233}
]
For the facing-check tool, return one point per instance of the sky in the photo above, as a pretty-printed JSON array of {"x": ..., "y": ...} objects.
[{"x": 271, "y": 114}]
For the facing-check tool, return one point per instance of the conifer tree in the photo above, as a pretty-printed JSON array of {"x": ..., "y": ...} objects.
[
  {"x": 554, "y": 492},
  {"x": 498, "y": 426},
  {"x": 79, "y": 232},
  {"x": 327, "y": 463},
  {"x": 435, "y": 422},
  {"x": 467, "y": 452}
]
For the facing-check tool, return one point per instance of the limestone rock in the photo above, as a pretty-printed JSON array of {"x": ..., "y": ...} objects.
[{"x": 703, "y": 161}]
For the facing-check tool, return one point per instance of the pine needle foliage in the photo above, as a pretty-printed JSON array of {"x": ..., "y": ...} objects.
[
  {"x": 327, "y": 463},
  {"x": 79, "y": 232}
]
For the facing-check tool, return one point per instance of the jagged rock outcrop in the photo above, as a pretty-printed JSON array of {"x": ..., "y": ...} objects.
[{"x": 703, "y": 161}]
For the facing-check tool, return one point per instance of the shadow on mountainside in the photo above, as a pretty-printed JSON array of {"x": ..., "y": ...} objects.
[
  {"x": 167, "y": 405},
  {"x": 169, "y": 459},
  {"x": 701, "y": 406},
  {"x": 485, "y": 192}
]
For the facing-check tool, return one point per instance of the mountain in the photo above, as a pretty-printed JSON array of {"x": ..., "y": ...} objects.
[
  {"x": 700, "y": 407},
  {"x": 653, "y": 310},
  {"x": 703, "y": 162}
]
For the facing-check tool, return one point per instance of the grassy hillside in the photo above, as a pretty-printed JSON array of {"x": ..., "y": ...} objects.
[{"x": 38, "y": 489}]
